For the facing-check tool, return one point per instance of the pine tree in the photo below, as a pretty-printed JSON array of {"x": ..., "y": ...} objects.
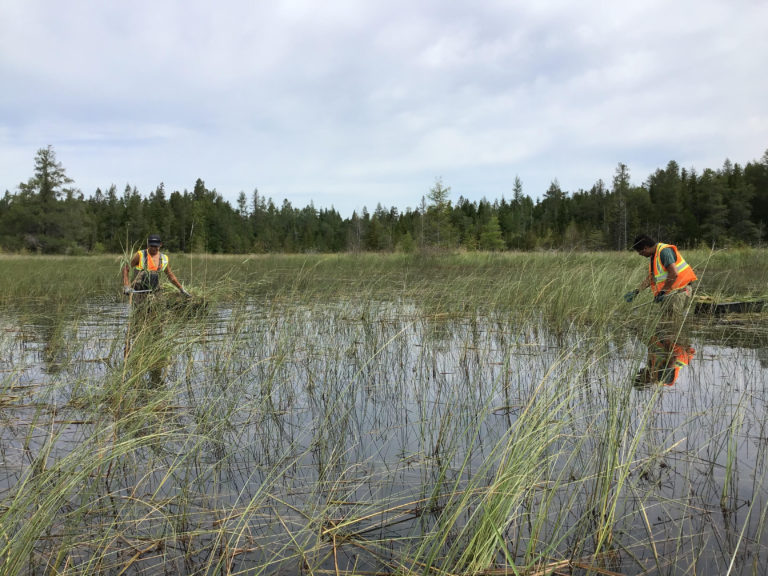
[
  {"x": 490, "y": 235},
  {"x": 49, "y": 227},
  {"x": 440, "y": 229},
  {"x": 620, "y": 192}
]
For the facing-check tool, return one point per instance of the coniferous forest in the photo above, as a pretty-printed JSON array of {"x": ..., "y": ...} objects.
[{"x": 721, "y": 206}]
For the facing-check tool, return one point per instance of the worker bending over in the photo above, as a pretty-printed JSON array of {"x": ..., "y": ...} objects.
[{"x": 669, "y": 275}]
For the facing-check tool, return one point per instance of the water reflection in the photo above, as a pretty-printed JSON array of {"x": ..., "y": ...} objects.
[
  {"x": 667, "y": 356},
  {"x": 345, "y": 436},
  {"x": 144, "y": 338},
  {"x": 762, "y": 355}
]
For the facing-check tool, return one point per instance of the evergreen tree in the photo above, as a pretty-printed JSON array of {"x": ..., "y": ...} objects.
[
  {"x": 441, "y": 232},
  {"x": 714, "y": 224},
  {"x": 182, "y": 220},
  {"x": 756, "y": 175},
  {"x": 159, "y": 216},
  {"x": 355, "y": 242},
  {"x": 516, "y": 221},
  {"x": 739, "y": 200},
  {"x": 554, "y": 214},
  {"x": 466, "y": 220},
  {"x": 47, "y": 214},
  {"x": 490, "y": 235},
  {"x": 667, "y": 193},
  {"x": 621, "y": 186},
  {"x": 47, "y": 224}
]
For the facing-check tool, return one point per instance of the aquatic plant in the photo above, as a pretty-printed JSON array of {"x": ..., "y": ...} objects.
[{"x": 458, "y": 414}]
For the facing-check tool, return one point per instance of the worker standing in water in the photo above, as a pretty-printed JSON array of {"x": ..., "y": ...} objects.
[
  {"x": 147, "y": 265},
  {"x": 143, "y": 329},
  {"x": 669, "y": 275}
]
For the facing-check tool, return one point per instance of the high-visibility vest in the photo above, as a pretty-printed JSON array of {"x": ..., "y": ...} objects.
[
  {"x": 147, "y": 271},
  {"x": 666, "y": 365},
  {"x": 685, "y": 274},
  {"x": 682, "y": 358},
  {"x": 147, "y": 263}
]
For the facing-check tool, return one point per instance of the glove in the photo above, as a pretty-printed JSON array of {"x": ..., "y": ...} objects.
[
  {"x": 127, "y": 289},
  {"x": 659, "y": 298},
  {"x": 629, "y": 296}
]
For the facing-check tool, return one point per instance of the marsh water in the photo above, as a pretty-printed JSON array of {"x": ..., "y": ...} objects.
[{"x": 375, "y": 437}]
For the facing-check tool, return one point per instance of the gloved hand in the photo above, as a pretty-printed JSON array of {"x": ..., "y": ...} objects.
[
  {"x": 659, "y": 298},
  {"x": 127, "y": 289},
  {"x": 629, "y": 296}
]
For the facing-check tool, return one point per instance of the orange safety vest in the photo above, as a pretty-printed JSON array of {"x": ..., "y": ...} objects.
[
  {"x": 146, "y": 276},
  {"x": 682, "y": 358},
  {"x": 660, "y": 361},
  {"x": 148, "y": 263},
  {"x": 685, "y": 274}
]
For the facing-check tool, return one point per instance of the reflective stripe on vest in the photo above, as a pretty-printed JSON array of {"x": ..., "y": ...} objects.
[
  {"x": 668, "y": 363},
  {"x": 685, "y": 274}
]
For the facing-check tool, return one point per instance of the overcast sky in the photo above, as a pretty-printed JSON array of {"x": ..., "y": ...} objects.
[{"x": 350, "y": 103}]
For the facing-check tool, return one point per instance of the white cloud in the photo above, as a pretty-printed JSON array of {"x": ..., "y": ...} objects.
[{"x": 351, "y": 103}]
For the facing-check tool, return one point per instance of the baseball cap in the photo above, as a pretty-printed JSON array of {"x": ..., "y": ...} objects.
[{"x": 154, "y": 240}]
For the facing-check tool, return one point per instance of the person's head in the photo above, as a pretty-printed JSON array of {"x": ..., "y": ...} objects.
[
  {"x": 154, "y": 243},
  {"x": 644, "y": 245}
]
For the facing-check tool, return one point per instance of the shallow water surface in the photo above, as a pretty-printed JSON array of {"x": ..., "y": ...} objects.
[{"x": 372, "y": 437}]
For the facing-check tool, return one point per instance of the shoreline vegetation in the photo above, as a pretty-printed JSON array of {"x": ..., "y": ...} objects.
[
  {"x": 443, "y": 413},
  {"x": 726, "y": 206},
  {"x": 571, "y": 282}
]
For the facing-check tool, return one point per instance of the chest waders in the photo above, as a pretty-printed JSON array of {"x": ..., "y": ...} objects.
[{"x": 147, "y": 272}]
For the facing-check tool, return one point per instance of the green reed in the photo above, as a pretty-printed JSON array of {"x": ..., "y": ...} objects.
[
  {"x": 586, "y": 285},
  {"x": 459, "y": 413}
]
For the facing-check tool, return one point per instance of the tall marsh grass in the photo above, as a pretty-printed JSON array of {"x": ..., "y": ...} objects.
[{"x": 450, "y": 414}]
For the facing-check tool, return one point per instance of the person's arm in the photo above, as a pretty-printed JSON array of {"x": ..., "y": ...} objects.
[
  {"x": 126, "y": 272},
  {"x": 671, "y": 277},
  {"x": 175, "y": 281},
  {"x": 632, "y": 294}
]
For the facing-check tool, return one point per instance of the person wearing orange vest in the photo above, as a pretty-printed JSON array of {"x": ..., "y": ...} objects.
[
  {"x": 669, "y": 275},
  {"x": 147, "y": 265}
]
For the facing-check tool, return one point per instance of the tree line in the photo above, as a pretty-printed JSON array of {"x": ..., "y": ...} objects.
[{"x": 723, "y": 206}]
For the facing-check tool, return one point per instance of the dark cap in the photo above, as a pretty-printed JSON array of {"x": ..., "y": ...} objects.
[{"x": 154, "y": 240}]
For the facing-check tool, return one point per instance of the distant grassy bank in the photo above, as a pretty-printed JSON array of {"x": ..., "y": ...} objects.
[{"x": 570, "y": 283}]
